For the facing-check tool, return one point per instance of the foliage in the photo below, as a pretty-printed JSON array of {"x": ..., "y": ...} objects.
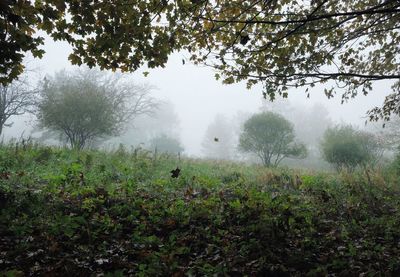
[
  {"x": 64, "y": 212},
  {"x": 310, "y": 123},
  {"x": 18, "y": 20},
  {"x": 271, "y": 137},
  {"x": 101, "y": 34},
  {"x": 346, "y": 148},
  {"x": 86, "y": 105},
  {"x": 292, "y": 44},
  {"x": 394, "y": 168},
  {"x": 279, "y": 44},
  {"x": 165, "y": 144}
]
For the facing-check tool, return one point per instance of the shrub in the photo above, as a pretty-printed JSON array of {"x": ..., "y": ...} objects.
[{"x": 347, "y": 148}]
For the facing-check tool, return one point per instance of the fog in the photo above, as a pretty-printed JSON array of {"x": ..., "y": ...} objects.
[{"x": 196, "y": 99}]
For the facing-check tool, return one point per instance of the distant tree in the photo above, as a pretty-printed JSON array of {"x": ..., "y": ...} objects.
[
  {"x": 347, "y": 148},
  {"x": 16, "y": 98},
  {"x": 165, "y": 144},
  {"x": 163, "y": 120},
  {"x": 218, "y": 142},
  {"x": 88, "y": 105},
  {"x": 309, "y": 123},
  {"x": 390, "y": 134},
  {"x": 271, "y": 137}
]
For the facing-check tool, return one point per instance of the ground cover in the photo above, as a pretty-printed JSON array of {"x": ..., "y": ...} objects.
[{"x": 120, "y": 213}]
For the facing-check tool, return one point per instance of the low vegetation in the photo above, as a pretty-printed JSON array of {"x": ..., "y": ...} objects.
[{"x": 120, "y": 213}]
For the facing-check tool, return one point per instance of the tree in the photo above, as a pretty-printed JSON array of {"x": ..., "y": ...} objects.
[
  {"x": 347, "y": 148},
  {"x": 113, "y": 35},
  {"x": 310, "y": 123},
  {"x": 271, "y": 137},
  {"x": 16, "y": 98},
  {"x": 165, "y": 144},
  {"x": 284, "y": 44},
  {"x": 390, "y": 134},
  {"x": 280, "y": 44},
  {"x": 163, "y": 120},
  {"x": 18, "y": 20},
  {"x": 87, "y": 105},
  {"x": 218, "y": 142}
]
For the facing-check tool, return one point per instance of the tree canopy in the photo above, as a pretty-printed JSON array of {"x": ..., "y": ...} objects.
[
  {"x": 281, "y": 44},
  {"x": 271, "y": 137},
  {"x": 347, "y": 148},
  {"x": 87, "y": 105}
]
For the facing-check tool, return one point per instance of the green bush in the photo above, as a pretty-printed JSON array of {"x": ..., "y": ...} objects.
[{"x": 347, "y": 148}]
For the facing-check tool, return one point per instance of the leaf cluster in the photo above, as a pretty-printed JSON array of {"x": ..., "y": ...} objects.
[{"x": 280, "y": 44}]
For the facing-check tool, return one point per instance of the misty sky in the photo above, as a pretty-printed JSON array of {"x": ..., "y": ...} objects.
[{"x": 198, "y": 97}]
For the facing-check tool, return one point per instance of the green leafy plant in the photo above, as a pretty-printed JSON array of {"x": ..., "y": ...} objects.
[
  {"x": 347, "y": 148},
  {"x": 271, "y": 137}
]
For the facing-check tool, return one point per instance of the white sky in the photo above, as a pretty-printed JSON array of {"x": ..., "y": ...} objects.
[{"x": 198, "y": 97}]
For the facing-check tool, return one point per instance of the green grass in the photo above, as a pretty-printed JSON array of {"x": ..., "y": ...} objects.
[{"x": 91, "y": 212}]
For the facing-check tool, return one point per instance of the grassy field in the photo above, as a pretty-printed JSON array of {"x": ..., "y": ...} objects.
[{"x": 66, "y": 213}]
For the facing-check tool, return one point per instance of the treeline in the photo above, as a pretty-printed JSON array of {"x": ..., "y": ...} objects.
[
  {"x": 301, "y": 138},
  {"x": 85, "y": 108}
]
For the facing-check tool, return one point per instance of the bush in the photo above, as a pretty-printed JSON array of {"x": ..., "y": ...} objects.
[{"x": 347, "y": 148}]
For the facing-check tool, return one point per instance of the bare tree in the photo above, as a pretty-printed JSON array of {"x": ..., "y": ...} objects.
[{"x": 16, "y": 98}]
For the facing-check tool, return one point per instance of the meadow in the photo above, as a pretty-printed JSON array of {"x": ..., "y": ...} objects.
[{"x": 120, "y": 213}]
